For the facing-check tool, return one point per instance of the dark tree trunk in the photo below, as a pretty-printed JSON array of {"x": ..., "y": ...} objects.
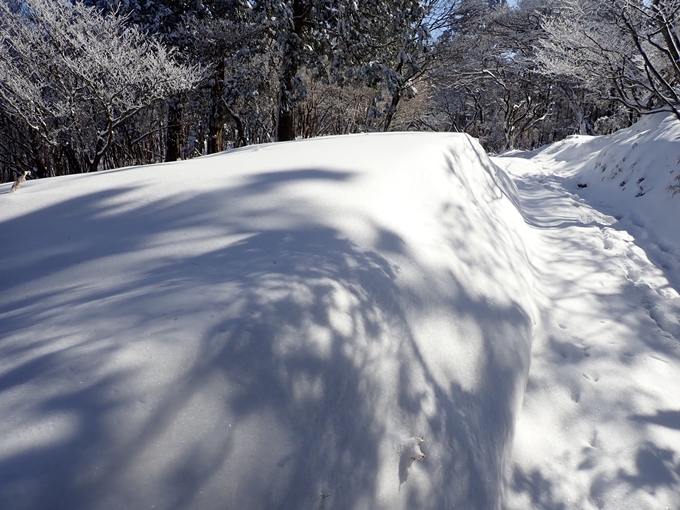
[
  {"x": 285, "y": 130},
  {"x": 172, "y": 143},
  {"x": 217, "y": 112},
  {"x": 240, "y": 129},
  {"x": 74, "y": 166},
  {"x": 39, "y": 169},
  {"x": 392, "y": 110}
]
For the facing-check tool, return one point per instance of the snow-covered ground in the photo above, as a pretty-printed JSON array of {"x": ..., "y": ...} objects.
[
  {"x": 347, "y": 323},
  {"x": 600, "y": 426}
]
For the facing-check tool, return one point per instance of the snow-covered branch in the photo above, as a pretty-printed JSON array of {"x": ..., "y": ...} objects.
[
  {"x": 75, "y": 75},
  {"x": 622, "y": 45}
]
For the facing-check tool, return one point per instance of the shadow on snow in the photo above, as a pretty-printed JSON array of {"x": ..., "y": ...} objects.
[{"x": 247, "y": 375}]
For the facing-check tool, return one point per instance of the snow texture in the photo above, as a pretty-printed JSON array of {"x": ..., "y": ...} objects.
[
  {"x": 336, "y": 323},
  {"x": 374, "y": 321},
  {"x": 600, "y": 426}
]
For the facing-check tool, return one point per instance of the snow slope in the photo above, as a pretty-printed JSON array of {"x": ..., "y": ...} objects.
[
  {"x": 336, "y": 323},
  {"x": 633, "y": 175},
  {"x": 367, "y": 322},
  {"x": 600, "y": 425}
]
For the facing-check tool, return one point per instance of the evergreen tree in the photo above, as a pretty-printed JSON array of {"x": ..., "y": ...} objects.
[{"x": 342, "y": 40}]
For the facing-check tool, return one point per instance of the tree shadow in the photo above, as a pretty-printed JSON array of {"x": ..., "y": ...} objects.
[
  {"x": 284, "y": 366},
  {"x": 656, "y": 472},
  {"x": 670, "y": 419},
  {"x": 538, "y": 489},
  {"x": 655, "y": 467}
]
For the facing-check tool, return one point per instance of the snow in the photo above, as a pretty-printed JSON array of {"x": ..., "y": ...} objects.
[
  {"x": 265, "y": 327},
  {"x": 600, "y": 425},
  {"x": 373, "y": 321}
]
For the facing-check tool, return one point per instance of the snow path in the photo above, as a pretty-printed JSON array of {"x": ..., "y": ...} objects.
[{"x": 600, "y": 426}]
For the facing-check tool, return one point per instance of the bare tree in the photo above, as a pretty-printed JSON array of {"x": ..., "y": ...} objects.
[
  {"x": 628, "y": 50},
  {"x": 75, "y": 77},
  {"x": 486, "y": 83}
]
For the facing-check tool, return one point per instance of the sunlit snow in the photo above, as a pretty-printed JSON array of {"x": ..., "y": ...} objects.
[
  {"x": 600, "y": 426},
  {"x": 373, "y": 321}
]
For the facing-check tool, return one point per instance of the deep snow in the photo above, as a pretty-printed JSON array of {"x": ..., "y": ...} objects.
[
  {"x": 347, "y": 323},
  {"x": 600, "y": 426},
  {"x": 265, "y": 328}
]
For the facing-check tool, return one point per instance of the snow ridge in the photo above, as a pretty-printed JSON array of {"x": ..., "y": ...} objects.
[{"x": 267, "y": 328}]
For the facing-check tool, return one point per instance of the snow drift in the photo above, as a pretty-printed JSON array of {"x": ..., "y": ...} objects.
[
  {"x": 340, "y": 323},
  {"x": 600, "y": 422},
  {"x": 633, "y": 175}
]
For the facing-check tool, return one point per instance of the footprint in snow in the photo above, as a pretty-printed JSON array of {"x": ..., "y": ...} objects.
[{"x": 575, "y": 394}]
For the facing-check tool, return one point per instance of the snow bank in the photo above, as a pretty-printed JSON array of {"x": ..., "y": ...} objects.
[
  {"x": 600, "y": 424},
  {"x": 633, "y": 175},
  {"x": 339, "y": 323}
]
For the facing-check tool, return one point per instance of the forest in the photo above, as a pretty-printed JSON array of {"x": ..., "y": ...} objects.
[{"x": 99, "y": 84}]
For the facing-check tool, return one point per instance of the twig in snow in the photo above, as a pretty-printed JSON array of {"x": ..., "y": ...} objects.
[{"x": 17, "y": 184}]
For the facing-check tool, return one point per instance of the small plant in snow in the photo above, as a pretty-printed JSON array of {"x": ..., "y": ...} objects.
[{"x": 20, "y": 180}]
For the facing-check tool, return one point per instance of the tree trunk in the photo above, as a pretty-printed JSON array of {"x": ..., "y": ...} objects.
[
  {"x": 285, "y": 129},
  {"x": 172, "y": 142},
  {"x": 216, "y": 121},
  {"x": 240, "y": 129},
  {"x": 669, "y": 35},
  {"x": 392, "y": 110},
  {"x": 396, "y": 97},
  {"x": 74, "y": 165}
]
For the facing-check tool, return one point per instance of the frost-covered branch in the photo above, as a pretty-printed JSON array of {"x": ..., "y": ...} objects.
[
  {"x": 75, "y": 75},
  {"x": 626, "y": 46}
]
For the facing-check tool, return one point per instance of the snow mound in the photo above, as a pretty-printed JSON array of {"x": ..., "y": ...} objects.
[
  {"x": 339, "y": 323},
  {"x": 633, "y": 175}
]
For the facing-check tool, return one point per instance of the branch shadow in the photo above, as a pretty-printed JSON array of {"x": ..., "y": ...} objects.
[
  {"x": 538, "y": 488},
  {"x": 282, "y": 368},
  {"x": 670, "y": 419}
]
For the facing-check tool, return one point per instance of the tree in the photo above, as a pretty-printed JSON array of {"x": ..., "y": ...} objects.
[
  {"x": 486, "y": 83},
  {"x": 342, "y": 41},
  {"x": 268, "y": 52},
  {"x": 627, "y": 50},
  {"x": 74, "y": 77},
  {"x": 217, "y": 34}
]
